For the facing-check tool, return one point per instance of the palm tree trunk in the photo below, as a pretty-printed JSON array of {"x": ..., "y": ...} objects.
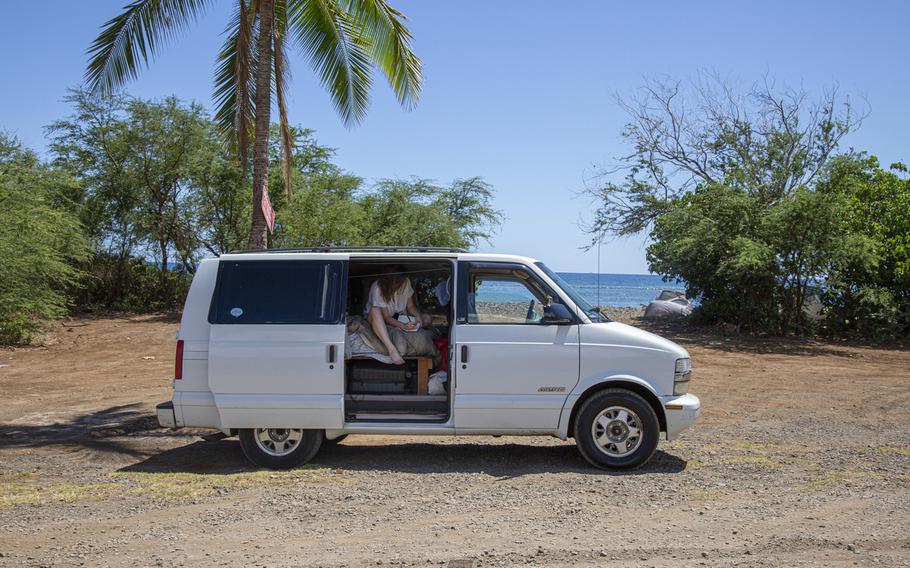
[{"x": 258, "y": 228}]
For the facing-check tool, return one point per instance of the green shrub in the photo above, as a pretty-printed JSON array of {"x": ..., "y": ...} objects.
[
  {"x": 872, "y": 300},
  {"x": 754, "y": 263},
  {"x": 40, "y": 242},
  {"x": 131, "y": 284}
]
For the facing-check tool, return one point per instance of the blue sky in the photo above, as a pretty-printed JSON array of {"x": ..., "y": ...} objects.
[{"x": 520, "y": 93}]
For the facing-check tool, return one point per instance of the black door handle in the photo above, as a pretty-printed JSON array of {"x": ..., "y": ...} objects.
[
  {"x": 464, "y": 353},
  {"x": 331, "y": 353}
]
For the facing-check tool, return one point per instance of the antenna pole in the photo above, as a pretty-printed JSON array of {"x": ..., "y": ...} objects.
[{"x": 599, "y": 239}]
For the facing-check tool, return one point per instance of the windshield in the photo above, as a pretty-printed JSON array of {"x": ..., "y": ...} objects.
[{"x": 593, "y": 313}]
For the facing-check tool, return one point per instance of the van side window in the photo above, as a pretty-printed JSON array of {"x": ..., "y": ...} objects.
[
  {"x": 278, "y": 292},
  {"x": 505, "y": 297}
]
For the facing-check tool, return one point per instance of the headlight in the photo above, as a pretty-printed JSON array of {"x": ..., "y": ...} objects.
[{"x": 681, "y": 376}]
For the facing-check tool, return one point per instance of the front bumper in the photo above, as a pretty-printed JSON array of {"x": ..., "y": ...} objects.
[
  {"x": 681, "y": 412},
  {"x": 166, "y": 416}
]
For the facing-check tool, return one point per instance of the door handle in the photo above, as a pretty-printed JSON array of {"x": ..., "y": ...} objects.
[
  {"x": 331, "y": 353},
  {"x": 464, "y": 353}
]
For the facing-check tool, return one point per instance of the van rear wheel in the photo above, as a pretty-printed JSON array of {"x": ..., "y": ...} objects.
[
  {"x": 280, "y": 448},
  {"x": 616, "y": 428}
]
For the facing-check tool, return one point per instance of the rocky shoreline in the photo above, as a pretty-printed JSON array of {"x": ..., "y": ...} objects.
[{"x": 623, "y": 313}]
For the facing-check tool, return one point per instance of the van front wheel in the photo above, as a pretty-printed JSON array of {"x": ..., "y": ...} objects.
[
  {"x": 280, "y": 448},
  {"x": 616, "y": 428}
]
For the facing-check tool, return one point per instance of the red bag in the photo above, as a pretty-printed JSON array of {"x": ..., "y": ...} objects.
[{"x": 443, "y": 345}]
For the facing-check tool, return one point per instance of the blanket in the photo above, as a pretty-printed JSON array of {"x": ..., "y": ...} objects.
[{"x": 361, "y": 340}]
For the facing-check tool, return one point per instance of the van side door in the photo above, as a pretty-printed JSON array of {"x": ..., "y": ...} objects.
[
  {"x": 515, "y": 363},
  {"x": 277, "y": 341}
]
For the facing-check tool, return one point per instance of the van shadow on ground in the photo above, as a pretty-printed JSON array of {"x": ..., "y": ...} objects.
[
  {"x": 500, "y": 460},
  {"x": 130, "y": 430},
  {"x": 103, "y": 431}
]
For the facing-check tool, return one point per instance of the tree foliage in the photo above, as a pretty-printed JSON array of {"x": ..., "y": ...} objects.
[
  {"x": 40, "y": 240},
  {"x": 750, "y": 263},
  {"x": 767, "y": 142},
  {"x": 332, "y": 210},
  {"x": 344, "y": 41},
  {"x": 749, "y": 204},
  {"x": 872, "y": 299},
  {"x": 156, "y": 190},
  {"x": 138, "y": 162}
]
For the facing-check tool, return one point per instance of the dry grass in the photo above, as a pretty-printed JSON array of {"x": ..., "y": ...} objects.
[
  {"x": 762, "y": 454},
  {"x": 22, "y": 489},
  {"x": 830, "y": 479},
  {"x": 14, "y": 493},
  {"x": 183, "y": 485},
  {"x": 900, "y": 450},
  {"x": 706, "y": 494},
  {"x": 754, "y": 459}
]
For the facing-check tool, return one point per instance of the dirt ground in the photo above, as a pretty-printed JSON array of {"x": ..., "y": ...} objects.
[{"x": 802, "y": 458}]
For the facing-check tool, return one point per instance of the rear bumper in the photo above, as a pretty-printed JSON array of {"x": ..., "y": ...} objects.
[
  {"x": 681, "y": 412},
  {"x": 166, "y": 416}
]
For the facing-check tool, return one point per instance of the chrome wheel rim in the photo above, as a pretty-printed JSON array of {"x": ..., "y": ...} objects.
[
  {"x": 617, "y": 431},
  {"x": 278, "y": 441}
]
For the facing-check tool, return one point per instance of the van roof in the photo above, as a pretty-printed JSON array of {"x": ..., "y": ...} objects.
[
  {"x": 354, "y": 249},
  {"x": 378, "y": 252}
]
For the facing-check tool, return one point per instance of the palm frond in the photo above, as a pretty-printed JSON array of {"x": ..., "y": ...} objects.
[
  {"x": 282, "y": 78},
  {"x": 234, "y": 81},
  {"x": 327, "y": 35},
  {"x": 382, "y": 28},
  {"x": 128, "y": 41}
]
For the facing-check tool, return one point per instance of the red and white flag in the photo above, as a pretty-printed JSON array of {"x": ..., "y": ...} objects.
[{"x": 267, "y": 211}]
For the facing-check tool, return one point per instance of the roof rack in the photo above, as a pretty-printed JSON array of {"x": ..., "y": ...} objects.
[{"x": 351, "y": 249}]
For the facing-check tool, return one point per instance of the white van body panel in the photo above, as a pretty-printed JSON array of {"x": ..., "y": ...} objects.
[
  {"x": 277, "y": 376},
  {"x": 518, "y": 379},
  {"x": 516, "y": 376},
  {"x": 268, "y": 375},
  {"x": 615, "y": 352},
  {"x": 196, "y": 409},
  {"x": 194, "y": 405},
  {"x": 610, "y": 349}
]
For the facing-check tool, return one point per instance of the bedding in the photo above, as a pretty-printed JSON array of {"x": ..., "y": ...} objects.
[{"x": 361, "y": 341}]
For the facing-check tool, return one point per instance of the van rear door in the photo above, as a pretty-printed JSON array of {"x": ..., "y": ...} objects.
[{"x": 277, "y": 340}]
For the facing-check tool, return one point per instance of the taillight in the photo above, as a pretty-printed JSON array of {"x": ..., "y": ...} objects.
[{"x": 178, "y": 360}]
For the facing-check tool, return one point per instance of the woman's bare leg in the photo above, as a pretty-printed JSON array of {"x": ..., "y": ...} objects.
[{"x": 382, "y": 332}]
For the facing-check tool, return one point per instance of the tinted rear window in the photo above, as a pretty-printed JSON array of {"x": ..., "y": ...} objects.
[{"x": 278, "y": 292}]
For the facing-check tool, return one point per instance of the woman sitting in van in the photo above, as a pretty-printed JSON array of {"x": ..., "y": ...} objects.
[{"x": 391, "y": 295}]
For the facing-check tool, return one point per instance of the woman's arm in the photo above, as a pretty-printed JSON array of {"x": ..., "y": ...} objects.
[
  {"x": 389, "y": 319},
  {"x": 412, "y": 307}
]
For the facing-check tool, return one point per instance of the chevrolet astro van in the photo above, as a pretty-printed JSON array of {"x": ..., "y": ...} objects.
[{"x": 264, "y": 352}]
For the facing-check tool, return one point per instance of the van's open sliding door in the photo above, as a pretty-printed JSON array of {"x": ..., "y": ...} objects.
[{"x": 276, "y": 356}]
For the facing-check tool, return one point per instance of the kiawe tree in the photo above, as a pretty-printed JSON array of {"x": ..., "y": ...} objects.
[
  {"x": 725, "y": 182},
  {"x": 344, "y": 40},
  {"x": 40, "y": 242}
]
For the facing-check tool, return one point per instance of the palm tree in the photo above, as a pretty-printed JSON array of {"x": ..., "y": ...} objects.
[{"x": 344, "y": 40}]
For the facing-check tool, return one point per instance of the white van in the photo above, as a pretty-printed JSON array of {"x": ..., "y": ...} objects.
[{"x": 270, "y": 349}]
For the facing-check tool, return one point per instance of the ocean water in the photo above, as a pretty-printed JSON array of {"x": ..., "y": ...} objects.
[{"x": 619, "y": 290}]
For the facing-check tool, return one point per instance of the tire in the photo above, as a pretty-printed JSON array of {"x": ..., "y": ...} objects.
[
  {"x": 275, "y": 448},
  {"x": 605, "y": 429},
  {"x": 332, "y": 442}
]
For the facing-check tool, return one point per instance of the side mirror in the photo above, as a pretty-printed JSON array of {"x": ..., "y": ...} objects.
[{"x": 557, "y": 314}]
